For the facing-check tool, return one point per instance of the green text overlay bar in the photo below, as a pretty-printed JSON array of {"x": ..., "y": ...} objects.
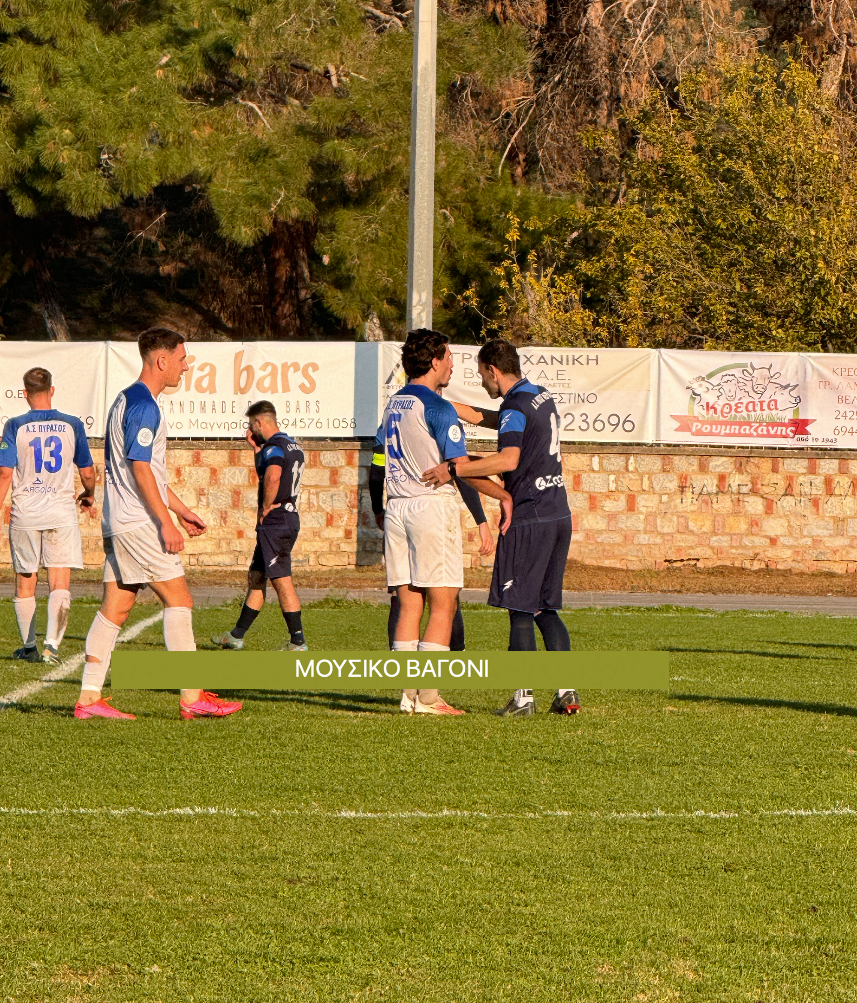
[{"x": 362, "y": 670}]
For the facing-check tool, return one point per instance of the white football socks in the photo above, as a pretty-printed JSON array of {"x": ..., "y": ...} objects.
[
  {"x": 100, "y": 642},
  {"x": 405, "y": 645},
  {"x": 428, "y": 646},
  {"x": 25, "y": 613},
  {"x": 178, "y": 636},
  {"x": 178, "y": 629},
  {"x": 59, "y": 602}
]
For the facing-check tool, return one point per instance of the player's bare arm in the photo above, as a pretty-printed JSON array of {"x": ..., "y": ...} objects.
[
  {"x": 476, "y": 415},
  {"x": 485, "y": 486},
  {"x": 192, "y": 524},
  {"x": 270, "y": 489},
  {"x": 148, "y": 488},
  {"x": 470, "y": 467},
  {"x": 5, "y": 483},
  {"x": 86, "y": 498}
]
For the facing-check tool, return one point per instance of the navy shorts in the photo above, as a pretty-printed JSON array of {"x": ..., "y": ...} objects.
[
  {"x": 272, "y": 557},
  {"x": 529, "y": 566}
]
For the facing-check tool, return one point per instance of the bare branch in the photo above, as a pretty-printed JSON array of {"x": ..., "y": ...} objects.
[{"x": 258, "y": 111}]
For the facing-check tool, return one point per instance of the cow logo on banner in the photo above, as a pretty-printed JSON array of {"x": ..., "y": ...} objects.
[{"x": 744, "y": 400}]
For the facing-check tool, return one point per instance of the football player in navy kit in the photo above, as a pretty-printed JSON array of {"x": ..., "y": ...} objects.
[
  {"x": 280, "y": 466},
  {"x": 532, "y": 555}
]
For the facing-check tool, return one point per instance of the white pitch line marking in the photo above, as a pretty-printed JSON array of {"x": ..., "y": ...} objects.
[
  {"x": 70, "y": 666},
  {"x": 447, "y": 813}
]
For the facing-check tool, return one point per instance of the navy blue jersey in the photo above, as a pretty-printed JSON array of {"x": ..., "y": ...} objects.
[
  {"x": 528, "y": 419},
  {"x": 281, "y": 451}
]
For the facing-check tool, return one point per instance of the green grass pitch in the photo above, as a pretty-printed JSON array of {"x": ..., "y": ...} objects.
[{"x": 699, "y": 845}]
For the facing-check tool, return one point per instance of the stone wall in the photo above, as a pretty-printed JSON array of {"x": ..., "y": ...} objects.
[
  {"x": 633, "y": 507},
  {"x": 651, "y": 507}
]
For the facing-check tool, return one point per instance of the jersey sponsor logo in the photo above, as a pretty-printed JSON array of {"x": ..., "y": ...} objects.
[
  {"x": 555, "y": 481},
  {"x": 145, "y": 437},
  {"x": 39, "y": 489},
  {"x": 455, "y": 433},
  {"x": 401, "y": 403}
]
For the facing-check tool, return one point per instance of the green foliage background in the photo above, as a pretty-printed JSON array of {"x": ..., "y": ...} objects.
[
  {"x": 162, "y": 148},
  {"x": 730, "y": 223}
]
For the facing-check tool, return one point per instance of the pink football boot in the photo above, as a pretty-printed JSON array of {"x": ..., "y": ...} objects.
[
  {"x": 209, "y": 705},
  {"x": 101, "y": 708}
]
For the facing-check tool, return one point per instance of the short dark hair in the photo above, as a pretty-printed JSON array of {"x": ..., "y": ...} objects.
[
  {"x": 37, "y": 380},
  {"x": 260, "y": 408},
  {"x": 159, "y": 339},
  {"x": 502, "y": 355},
  {"x": 421, "y": 346}
]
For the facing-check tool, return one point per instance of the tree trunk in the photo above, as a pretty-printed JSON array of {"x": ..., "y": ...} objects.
[
  {"x": 287, "y": 249},
  {"x": 55, "y": 322},
  {"x": 25, "y": 241}
]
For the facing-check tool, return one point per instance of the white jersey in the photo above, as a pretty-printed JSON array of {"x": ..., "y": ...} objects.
[
  {"x": 135, "y": 431},
  {"x": 419, "y": 429},
  {"x": 43, "y": 448}
]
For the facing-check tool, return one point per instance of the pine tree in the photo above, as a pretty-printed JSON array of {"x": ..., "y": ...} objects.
[{"x": 292, "y": 118}]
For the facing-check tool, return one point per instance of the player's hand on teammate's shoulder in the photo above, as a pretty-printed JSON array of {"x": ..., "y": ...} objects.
[
  {"x": 487, "y": 546},
  {"x": 192, "y": 523}
]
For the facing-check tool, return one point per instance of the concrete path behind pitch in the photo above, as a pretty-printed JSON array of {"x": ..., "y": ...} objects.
[{"x": 216, "y": 595}]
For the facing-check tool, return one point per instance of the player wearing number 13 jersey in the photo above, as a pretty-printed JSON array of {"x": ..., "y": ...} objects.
[{"x": 38, "y": 453}]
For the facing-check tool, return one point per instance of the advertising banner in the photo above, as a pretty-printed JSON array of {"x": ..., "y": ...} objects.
[
  {"x": 319, "y": 389},
  {"x": 832, "y": 392},
  {"x": 602, "y": 395},
  {"x": 339, "y": 389},
  {"x": 728, "y": 398},
  {"x": 78, "y": 372}
]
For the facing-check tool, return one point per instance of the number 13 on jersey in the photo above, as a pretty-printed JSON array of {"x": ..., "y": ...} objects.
[{"x": 47, "y": 456}]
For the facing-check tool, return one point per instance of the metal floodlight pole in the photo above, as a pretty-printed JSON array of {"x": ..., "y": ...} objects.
[{"x": 421, "y": 196}]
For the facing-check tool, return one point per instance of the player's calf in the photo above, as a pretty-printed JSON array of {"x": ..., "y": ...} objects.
[
  {"x": 59, "y": 605},
  {"x": 25, "y": 614}
]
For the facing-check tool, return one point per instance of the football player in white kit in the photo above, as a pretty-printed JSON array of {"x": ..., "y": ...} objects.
[
  {"x": 422, "y": 525},
  {"x": 141, "y": 542},
  {"x": 38, "y": 453}
]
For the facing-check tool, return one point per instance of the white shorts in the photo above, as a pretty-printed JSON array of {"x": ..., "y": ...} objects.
[
  {"x": 422, "y": 542},
  {"x": 45, "y": 548},
  {"x": 138, "y": 557}
]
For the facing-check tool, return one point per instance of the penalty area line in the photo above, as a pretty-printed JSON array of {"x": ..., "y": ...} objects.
[
  {"x": 656, "y": 815},
  {"x": 70, "y": 666}
]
